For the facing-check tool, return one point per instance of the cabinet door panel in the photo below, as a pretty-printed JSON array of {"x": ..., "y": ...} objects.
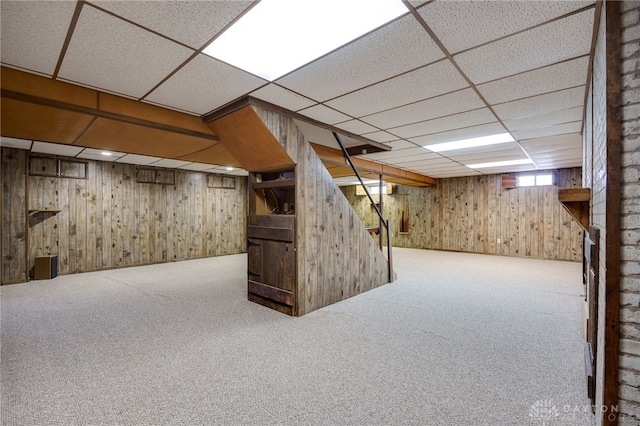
[{"x": 278, "y": 264}]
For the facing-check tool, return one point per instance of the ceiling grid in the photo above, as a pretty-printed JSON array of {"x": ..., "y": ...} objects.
[{"x": 444, "y": 70}]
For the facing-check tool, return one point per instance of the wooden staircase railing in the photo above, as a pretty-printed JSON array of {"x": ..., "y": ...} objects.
[{"x": 383, "y": 223}]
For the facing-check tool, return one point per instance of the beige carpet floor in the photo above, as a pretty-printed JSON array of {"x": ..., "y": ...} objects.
[{"x": 458, "y": 339}]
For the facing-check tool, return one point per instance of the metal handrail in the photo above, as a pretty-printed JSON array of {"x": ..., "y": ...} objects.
[{"x": 384, "y": 223}]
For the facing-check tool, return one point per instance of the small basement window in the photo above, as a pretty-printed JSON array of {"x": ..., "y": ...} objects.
[{"x": 542, "y": 179}]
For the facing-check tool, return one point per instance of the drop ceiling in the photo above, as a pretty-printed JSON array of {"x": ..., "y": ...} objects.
[{"x": 445, "y": 70}]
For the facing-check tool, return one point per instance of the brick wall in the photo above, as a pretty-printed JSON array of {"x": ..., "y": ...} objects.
[
  {"x": 629, "y": 373},
  {"x": 595, "y": 171}
]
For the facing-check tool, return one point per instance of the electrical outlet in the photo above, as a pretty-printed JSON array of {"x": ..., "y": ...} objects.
[{"x": 498, "y": 240}]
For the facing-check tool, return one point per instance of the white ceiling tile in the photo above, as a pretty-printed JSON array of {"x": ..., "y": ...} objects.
[
  {"x": 356, "y": 126},
  {"x": 561, "y": 164},
  {"x": 282, "y": 97},
  {"x": 570, "y": 38},
  {"x": 545, "y": 120},
  {"x": 400, "y": 144},
  {"x": 552, "y": 143},
  {"x": 442, "y": 77},
  {"x": 322, "y": 136},
  {"x": 407, "y": 162},
  {"x": 561, "y": 154},
  {"x": 386, "y": 155},
  {"x": 398, "y": 47},
  {"x": 141, "y": 160},
  {"x": 203, "y": 85},
  {"x": 508, "y": 169},
  {"x": 33, "y": 32},
  {"x": 418, "y": 3},
  {"x": 440, "y": 106},
  {"x": 114, "y": 154},
  {"x": 56, "y": 149},
  {"x": 193, "y": 23},
  {"x": 324, "y": 114},
  {"x": 95, "y": 157},
  {"x": 380, "y": 136},
  {"x": 108, "y": 53},
  {"x": 96, "y": 154},
  {"x": 170, "y": 163},
  {"x": 442, "y": 124},
  {"x": 560, "y": 129},
  {"x": 544, "y": 80},
  {"x": 478, "y": 22},
  {"x": 197, "y": 167},
  {"x": 15, "y": 143},
  {"x": 436, "y": 162},
  {"x": 466, "y": 133},
  {"x": 237, "y": 172},
  {"x": 541, "y": 104},
  {"x": 512, "y": 152}
]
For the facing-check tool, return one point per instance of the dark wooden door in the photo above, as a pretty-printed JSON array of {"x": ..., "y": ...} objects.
[{"x": 272, "y": 261}]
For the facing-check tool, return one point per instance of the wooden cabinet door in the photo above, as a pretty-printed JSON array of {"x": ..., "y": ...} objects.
[{"x": 271, "y": 258}]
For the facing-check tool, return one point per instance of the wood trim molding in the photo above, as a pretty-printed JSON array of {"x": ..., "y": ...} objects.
[
  {"x": 9, "y": 94},
  {"x": 611, "y": 332},
  {"x": 249, "y": 100},
  {"x": 334, "y": 157}
]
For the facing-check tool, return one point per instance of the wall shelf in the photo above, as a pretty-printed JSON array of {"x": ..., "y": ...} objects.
[
  {"x": 276, "y": 183},
  {"x": 576, "y": 202}
]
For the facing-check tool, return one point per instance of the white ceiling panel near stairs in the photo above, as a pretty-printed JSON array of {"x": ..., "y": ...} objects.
[{"x": 441, "y": 71}]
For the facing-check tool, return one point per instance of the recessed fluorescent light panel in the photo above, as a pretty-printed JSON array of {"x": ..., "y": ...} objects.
[
  {"x": 499, "y": 164},
  {"x": 279, "y": 36},
  {"x": 471, "y": 143}
]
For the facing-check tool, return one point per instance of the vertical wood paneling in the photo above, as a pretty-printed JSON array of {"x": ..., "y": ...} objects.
[
  {"x": 109, "y": 220},
  {"x": 81, "y": 224},
  {"x": 326, "y": 228},
  {"x": 104, "y": 169},
  {"x": 63, "y": 224},
  {"x": 92, "y": 219},
  {"x": 471, "y": 213},
  {"x": 13, "y": 222}
]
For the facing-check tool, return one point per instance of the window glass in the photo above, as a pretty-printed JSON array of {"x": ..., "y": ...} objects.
[
  {"x": 545, "y": 179},
  {"x": 526, "y": 180}
]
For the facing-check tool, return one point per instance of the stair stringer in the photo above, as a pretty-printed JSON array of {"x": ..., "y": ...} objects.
[{"x": 336, "y": 256}]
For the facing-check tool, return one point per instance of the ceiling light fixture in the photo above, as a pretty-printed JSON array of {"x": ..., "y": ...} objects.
[
  {"x": 471, "y": 143},
  {"x": 106, "y": 153},
  {"x": 229, "y": 168},
  {"x": 278, "y": 36},
  {"x": 500, "y": 164}
]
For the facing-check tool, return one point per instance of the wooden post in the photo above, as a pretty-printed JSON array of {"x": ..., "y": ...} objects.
[{"x": 380, "y": 221}]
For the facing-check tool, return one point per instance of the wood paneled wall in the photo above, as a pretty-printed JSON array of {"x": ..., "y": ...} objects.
[
  {"x": 470, "y": 214},
  {"x": 336, "y": 256},
  {"x": 110, "y": 220},
  {"x": 13, "y": 244}
]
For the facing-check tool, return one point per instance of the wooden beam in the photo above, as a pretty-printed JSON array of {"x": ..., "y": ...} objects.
[
  {"x": 611, "y": 332},
  {"x": 372, "y": 146},
  {"x": 244, "y": 134},
  {"x": 330, "y": 156},
  {"x": 37, "y": 90}
]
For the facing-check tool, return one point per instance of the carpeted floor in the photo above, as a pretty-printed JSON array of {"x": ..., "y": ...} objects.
[{"x": 458, "y": 339}]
